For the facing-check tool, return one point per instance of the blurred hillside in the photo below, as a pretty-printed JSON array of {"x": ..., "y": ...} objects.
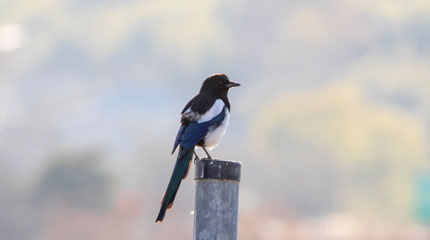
[{"x": 332, "y": 122}]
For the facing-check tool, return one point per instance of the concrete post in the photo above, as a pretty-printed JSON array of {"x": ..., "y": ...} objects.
[{"x": 216, "y": 199}]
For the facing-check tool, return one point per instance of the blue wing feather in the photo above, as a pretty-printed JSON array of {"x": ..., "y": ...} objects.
[
  {"x": 178, "y": 137},
  {"x": 188, "y": 136}
]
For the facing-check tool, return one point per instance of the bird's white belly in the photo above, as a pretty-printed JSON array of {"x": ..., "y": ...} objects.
[{"x": 214, "y": 136}]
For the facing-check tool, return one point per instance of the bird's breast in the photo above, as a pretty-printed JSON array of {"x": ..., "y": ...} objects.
[{"x": 215, "y": 134}]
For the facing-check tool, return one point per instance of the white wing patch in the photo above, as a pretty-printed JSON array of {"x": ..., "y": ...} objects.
[
  {"x": 212, "y": 112},
  {"x": 207, "y": 116}
]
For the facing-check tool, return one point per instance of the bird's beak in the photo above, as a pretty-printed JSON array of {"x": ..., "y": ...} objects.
[{"x": 232, "y": 84}]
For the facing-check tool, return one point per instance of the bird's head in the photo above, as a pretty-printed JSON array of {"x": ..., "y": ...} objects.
[{"x": 217, "y": 85}]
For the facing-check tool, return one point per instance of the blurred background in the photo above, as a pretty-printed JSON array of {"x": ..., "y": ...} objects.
[{"x": 331, "y": 122}]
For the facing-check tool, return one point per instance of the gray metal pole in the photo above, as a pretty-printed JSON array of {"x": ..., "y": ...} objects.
[{"x": 216, "y": 199}]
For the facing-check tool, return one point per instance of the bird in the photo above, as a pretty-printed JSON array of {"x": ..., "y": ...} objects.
[{"x": 203, "y": 123}]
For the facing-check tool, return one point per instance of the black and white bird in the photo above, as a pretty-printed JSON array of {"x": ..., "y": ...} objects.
[{"x": 204, "y": 121}]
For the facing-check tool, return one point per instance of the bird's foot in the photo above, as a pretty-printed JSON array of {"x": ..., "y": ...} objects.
[
  {"x": 207, "y": 153},
  {"x": 196, "y": 158}
]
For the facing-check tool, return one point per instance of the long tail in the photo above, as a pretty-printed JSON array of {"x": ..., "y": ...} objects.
[{"x": 180, "y": 172}]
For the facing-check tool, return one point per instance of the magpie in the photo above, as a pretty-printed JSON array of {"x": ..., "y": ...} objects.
[{"x": 204, "y": 121}]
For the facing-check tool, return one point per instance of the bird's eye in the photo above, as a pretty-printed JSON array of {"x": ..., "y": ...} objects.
[{"x": 220, "y": 83}]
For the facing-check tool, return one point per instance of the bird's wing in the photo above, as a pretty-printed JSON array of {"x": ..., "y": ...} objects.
[
  {"x": 194, "y": 126},
  {"x": 195, "y": 131}
]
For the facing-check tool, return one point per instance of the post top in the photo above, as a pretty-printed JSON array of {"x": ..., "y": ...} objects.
[{"x": 217, "y": 169}]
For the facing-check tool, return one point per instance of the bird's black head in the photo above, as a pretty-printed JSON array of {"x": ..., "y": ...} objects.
[{"x": 217, "y": 85}]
